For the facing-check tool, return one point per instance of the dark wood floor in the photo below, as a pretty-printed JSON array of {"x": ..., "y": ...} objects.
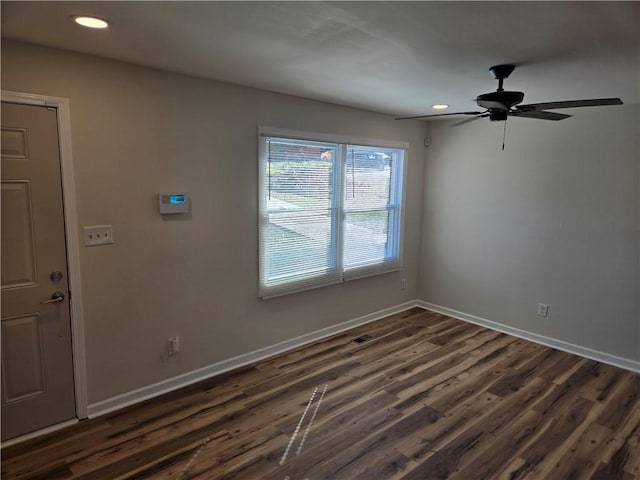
[{"x": 426, "y": 397}]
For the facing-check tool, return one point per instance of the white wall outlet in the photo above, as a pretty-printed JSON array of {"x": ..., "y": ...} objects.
[
  {"x": 98, "y": 235},
  {"x": 543, "y": 309},
  {"x": 403, "y": 284},
  {"x": 173, "y": 346}
]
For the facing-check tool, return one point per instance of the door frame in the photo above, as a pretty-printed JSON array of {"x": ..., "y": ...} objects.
[{"x": 72, "y": 243}]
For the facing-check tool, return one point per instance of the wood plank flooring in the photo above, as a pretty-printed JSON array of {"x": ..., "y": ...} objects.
[{"x": 426, "y": 397}]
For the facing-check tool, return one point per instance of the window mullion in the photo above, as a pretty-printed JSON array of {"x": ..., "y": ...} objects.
[{"x": 339, "y": 171}]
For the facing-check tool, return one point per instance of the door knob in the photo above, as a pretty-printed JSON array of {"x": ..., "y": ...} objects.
[{"x": 55, "y": 298}]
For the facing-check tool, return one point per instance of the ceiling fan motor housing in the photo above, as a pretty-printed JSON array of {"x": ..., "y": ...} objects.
[{"x": 499, "y": 100}]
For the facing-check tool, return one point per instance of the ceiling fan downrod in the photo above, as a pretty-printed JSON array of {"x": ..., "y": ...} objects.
[{"x": 500, "y": 72}]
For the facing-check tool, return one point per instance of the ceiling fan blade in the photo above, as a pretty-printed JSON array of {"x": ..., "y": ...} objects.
[
  {"x": 439, "y": 115},
  {"x": 594, "y": 102},
  {"x": 467, "y": 120},
  {"x": 540, "y": 114}
]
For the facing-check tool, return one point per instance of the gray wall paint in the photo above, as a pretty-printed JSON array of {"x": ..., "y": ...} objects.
[
  {"x": 553, "y": 219},
  {"x": 137, "y": 132}
]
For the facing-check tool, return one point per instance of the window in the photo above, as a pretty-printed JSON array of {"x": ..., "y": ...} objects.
[{"x": 330, "y": 210}]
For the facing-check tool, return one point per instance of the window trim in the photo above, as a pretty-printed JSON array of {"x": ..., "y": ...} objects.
[
  {"x": 330, "y": 138},
  {"x": 344, "y": 275}
]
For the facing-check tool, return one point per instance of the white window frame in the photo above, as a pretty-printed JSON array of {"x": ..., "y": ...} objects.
[{"x": 397, "y": 186}]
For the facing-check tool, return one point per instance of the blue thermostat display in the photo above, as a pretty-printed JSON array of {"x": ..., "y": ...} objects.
[{"x": 173, "y": 203}]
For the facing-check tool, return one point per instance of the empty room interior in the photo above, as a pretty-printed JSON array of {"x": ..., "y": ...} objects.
[{"x": 320, "y": 240}]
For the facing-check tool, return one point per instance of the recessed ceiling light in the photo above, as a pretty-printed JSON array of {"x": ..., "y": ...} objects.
[
  {"x": 440, "y": 107},
  {"x": 91, "y": 22}
]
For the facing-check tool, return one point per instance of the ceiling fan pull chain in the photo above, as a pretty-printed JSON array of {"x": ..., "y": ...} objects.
[{"x": 504, "y": 133}]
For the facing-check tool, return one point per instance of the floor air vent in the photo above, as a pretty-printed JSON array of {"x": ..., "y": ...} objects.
[{"x": 362, "y": 339}]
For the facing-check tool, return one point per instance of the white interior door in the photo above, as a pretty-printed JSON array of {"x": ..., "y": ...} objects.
[{"x": 37, "y": 362}]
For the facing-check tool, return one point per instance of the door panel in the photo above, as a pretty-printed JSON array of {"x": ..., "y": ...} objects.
[
  {"x": 37, "y": 368},
  {"x": 19, "y": 268},
  {"x": 22, "y": 368},
  {"x": 14, "y": 143}
]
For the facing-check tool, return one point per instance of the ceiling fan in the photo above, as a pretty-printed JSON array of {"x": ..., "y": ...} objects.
[{"x": 502, "y": 103}]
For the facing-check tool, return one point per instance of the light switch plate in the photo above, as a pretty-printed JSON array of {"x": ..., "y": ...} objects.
[{"x": 98, "y": 235}]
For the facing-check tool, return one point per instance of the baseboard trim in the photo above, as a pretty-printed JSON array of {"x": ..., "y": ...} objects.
[
  {"x": 145, "y": 393},
  {"x": 38, "y": 433},
  {"x": 165, "y": 386},
  {"x": 596, "y": 355}
]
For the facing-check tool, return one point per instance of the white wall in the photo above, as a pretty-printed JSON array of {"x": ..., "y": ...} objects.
[
  {"x": 552, "y": 219},
  {"x": 138, "y": 131}
]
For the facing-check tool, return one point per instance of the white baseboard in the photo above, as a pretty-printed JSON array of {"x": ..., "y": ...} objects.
[
  {"x": 150, "y": 391},
  {"x": 626, "y": 363},
  {"x": 126, "y": 399},
  {"x": 38, "y": 433}
]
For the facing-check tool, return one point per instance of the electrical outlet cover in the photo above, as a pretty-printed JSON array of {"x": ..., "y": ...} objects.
[
  {"x": 543, "y": 309},
  {"x": 174, "y": 345},
  {"x": 98, "y": 235}
]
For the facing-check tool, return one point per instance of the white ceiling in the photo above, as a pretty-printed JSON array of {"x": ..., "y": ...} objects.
[{"x": 392, "y": 57}]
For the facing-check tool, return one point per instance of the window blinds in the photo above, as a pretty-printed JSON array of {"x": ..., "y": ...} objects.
[
  {"x": 299, "y": 218},
  {"x": 328, "y": 212},
  {"x": 372, "y": 210}
]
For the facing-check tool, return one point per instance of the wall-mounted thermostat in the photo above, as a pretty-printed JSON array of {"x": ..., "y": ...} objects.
[{"x": 173, "y": 203}]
